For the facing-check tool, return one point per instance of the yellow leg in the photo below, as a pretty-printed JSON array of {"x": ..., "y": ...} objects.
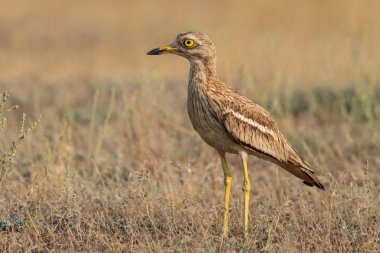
[
  {"x": 227, "y": 184},
  {"x": 246, "y": 190}
]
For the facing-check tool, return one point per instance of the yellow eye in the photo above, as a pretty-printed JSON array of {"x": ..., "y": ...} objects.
[{"x": 189, "y": 43}]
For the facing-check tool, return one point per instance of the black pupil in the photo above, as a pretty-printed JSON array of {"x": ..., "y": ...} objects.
[{"x": 188, "y": 42}]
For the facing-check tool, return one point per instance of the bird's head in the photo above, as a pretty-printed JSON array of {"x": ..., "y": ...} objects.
[{"x": 191, "y": 45}]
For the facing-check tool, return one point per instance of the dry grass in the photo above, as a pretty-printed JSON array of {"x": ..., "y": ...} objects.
[{"x": 114, "y": 165}]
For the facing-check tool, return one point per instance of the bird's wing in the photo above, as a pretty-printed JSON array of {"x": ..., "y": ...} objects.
[{"x": 251, "y": 126}]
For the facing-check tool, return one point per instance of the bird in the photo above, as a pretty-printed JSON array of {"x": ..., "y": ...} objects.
[{"x": 230, "y": 122}]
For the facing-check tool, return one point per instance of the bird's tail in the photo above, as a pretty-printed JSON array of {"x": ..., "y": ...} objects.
[{"x": 301, "y": 169}]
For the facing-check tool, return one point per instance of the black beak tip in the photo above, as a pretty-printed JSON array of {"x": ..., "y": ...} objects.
[{"x": 155, "y": 51}]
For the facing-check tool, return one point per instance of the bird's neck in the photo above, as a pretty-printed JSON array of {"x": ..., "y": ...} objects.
[{"x": 202, "y": 72}]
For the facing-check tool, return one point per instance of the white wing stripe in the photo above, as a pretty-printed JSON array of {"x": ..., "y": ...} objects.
[{"x": 253, "y": 123}]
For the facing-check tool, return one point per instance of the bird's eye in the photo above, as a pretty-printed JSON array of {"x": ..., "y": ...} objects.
[{"x": 189, "y": 43}]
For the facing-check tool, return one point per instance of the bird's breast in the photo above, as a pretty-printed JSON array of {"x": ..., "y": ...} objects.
[{"x": 204, "y": 118}]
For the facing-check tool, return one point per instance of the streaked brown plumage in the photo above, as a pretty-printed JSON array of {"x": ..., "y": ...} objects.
[{"x": 228, "y": 121}]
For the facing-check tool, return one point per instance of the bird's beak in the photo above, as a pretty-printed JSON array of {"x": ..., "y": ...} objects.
[{"x": 162, "y": 50}]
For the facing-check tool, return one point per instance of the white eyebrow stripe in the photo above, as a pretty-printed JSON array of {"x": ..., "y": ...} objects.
[{"x": 253, "y": 123}]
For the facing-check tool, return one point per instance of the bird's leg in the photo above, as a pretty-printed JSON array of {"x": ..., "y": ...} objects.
[
  {"x": 227, "y": 184},
  {"x": 246, "y": 190}
]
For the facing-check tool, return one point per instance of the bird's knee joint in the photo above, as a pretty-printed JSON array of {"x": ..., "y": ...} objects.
[
  {"x": 246, "y": 186},
  {"x": 227, "y": 180}
]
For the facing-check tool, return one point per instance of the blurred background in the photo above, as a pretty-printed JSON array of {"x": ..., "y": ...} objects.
[
  {"x": 113, "y": 163},
  {"x": 300, "y": 42}
]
